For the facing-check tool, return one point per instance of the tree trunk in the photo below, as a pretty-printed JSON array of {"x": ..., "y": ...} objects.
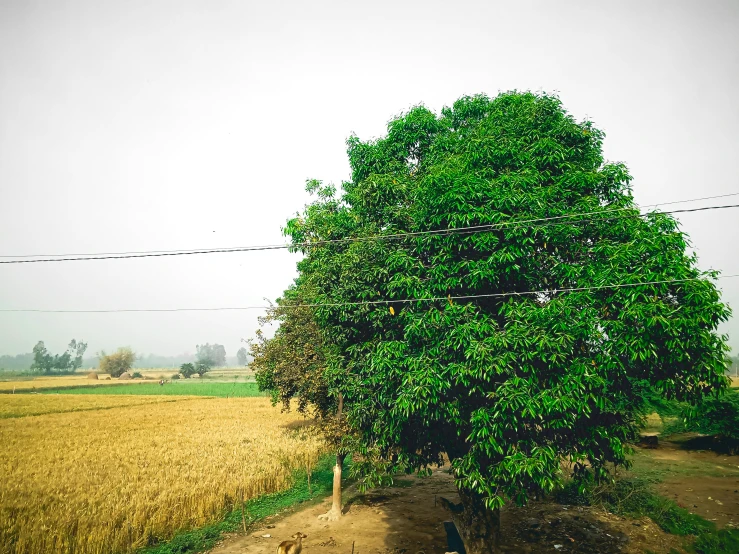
[
  {"x": 478, "y": 526},
  {"x": 335, "y": 512}
]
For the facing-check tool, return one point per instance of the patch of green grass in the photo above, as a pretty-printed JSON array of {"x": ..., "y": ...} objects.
[
  {"x": 654, "y": 468},
  {"x": 634, "y": 498},
  {"x": 198, "y": 540},
  {"x": 726, "y": 540},
  {"x": 176, "y": 388}
]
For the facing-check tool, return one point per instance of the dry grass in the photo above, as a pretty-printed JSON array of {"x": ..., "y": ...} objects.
[
  {"x": 21, "y": 405},
  {"x": 215, "y": 373},
  {"x": 111, "y": 480},
  {"x": 40, "y": 383}
]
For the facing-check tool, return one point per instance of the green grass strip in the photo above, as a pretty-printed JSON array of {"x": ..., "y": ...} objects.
[{"x": 255, "y": 510}]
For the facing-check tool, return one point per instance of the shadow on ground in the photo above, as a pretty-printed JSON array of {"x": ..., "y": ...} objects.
[{"x": 408, "y": 519}]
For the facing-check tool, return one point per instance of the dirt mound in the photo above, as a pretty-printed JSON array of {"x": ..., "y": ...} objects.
[
  {"x": 92, "y": 375},
  {"x": 124, "y": 377}
]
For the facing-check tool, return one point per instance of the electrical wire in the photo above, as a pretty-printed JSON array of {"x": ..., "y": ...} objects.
[
  {"x": 275, "y": 246},
  {"x": 539, "y": 222},
  {"x": 379, "y": 302},
  {"x": 229, "y": 248}
]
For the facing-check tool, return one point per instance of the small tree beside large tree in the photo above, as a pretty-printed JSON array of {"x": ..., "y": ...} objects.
[{"x": 292, "y": 365}]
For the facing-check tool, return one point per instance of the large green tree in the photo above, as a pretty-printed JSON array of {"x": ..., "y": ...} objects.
[{"x": 541, "y": 339}]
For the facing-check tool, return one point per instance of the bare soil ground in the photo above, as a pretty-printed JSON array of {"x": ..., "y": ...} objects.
[
  {"x": 405, "y": 519},
  {"x": 409, "y": 519},
  {"x": 704, "y": 482}
]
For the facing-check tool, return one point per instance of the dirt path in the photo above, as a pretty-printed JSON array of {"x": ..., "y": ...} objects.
[{"x": 403, "y": 519}]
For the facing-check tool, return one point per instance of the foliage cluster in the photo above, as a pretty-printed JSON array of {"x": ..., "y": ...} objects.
[
  {"x": 242, "y": 356},
  {"x": 716, "y": 416},
  {"x": 117, "y": 363},
  {"x": 187, "y": 370},
  {"x": 69, "y": 362},
  {"x": 529, "y": 342},
  {"x": 293, "y": 362},
  {"x": 210, "y": 355}
]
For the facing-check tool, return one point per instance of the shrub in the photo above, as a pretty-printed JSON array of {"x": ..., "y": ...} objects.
[
  {"x": 716, "y": 416},
  {"x": 118, "y": 363},
  {"x": 201, "y": 368},
  {"x": 725, "y": 540},
  {"x": 635, "y": 498},
  {"x": 175, "y": 376},
  {"x": 187, "y": 370},
  {"x": 137, "y": 375}
]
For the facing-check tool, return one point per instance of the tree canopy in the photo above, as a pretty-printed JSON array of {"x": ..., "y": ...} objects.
[
  {"x": 117, "y": 363},
  {"x": 210, "y": 355},
  {"x": 242, "y": 356},
  {"x": 68, "y": 362},
  {"x": 528, "y": 335}
]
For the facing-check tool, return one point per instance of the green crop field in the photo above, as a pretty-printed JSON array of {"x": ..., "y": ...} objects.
[{"x": 175, "y": 388}]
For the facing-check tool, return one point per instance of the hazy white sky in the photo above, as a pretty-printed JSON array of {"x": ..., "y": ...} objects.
[{"x": 144, "y": 125}]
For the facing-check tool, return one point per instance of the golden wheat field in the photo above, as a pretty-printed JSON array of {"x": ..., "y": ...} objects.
[
  {"x": 109, "y": 480},
  {"x": 62, "y": 381},
  {"x": 20, "y": 405}
]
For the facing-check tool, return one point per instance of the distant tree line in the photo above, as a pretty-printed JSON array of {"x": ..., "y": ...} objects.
[
  {"x": 207, "y": 357},
  {"x": 213, "y": 354},
  {"x": 19, "y": 362},
  {"x": 69, "y": 362}
]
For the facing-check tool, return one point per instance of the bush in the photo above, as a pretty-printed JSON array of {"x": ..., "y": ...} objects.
[
  {"x": 715, "y": 416},
  {"x": 725, "y": 540},
  {"x": 118, "y": 363},
  {"x": 175, "y": 376},
  {"x": 137, "y": 375},
  {"x": 201, "y": 368},
  {"x": 635, "y": 498},
  {"x": 187, "y": 370}
]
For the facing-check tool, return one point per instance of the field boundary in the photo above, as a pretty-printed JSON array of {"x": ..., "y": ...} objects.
[{"x": 255, "y": 511}]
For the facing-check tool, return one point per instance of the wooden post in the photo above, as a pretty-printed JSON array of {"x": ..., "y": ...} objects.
[{"x": 352, "y": 547}]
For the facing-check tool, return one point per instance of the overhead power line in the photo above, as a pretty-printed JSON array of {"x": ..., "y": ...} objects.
[
  {"x": 234, "y": 248},
  {"x": 286, "y": 246},
  {"x": 539, "y": 222},
  {"x": 380, "y": 302}
]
